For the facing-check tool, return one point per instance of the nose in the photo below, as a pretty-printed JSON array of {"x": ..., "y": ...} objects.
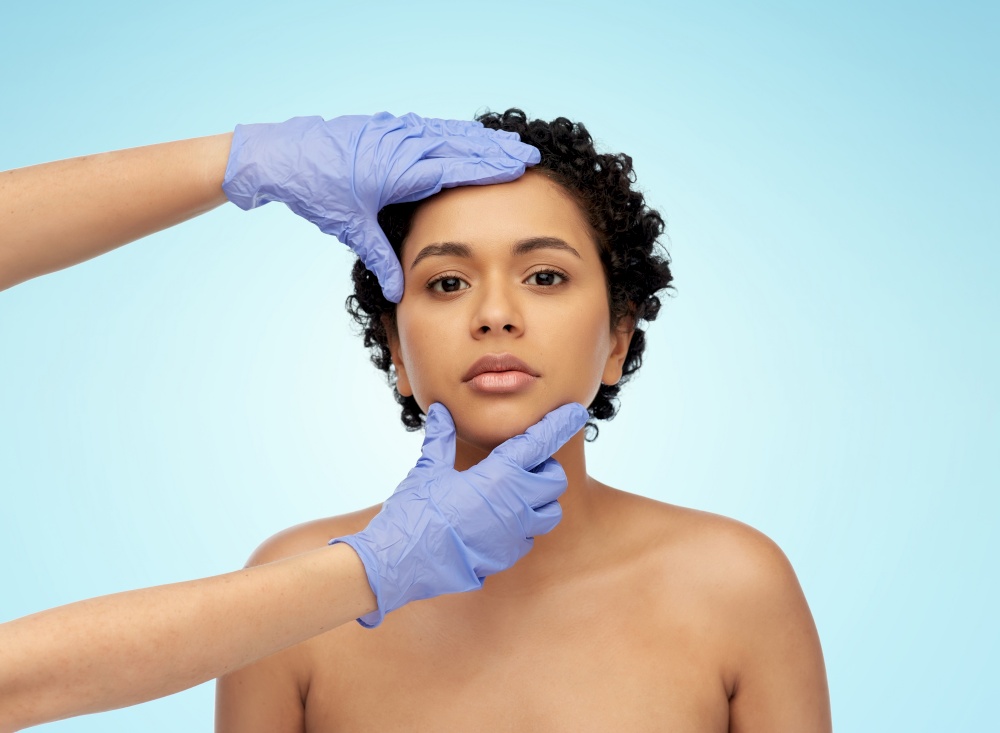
[{"x": 496, "y": 311}]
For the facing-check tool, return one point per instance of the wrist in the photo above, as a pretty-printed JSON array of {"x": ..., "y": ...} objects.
[
  {"x": 214, "y": 160},
  {"x": 366, "y": 555}
]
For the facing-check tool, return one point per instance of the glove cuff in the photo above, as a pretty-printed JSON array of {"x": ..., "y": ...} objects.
[
  {"x": 373, "y": 619},
  {"x": 238, "y": 184}
]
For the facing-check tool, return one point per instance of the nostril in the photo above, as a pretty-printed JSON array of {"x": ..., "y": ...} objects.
[{"x": 508, "y": 328}]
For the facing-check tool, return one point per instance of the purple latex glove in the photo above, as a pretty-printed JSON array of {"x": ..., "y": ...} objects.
[
  {"x": 339, "y": 173},
  {"x": 444, "y": 531}
]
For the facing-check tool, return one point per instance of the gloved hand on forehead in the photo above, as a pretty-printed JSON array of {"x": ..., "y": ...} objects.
[
  {"x": 339, "y": 173},
  {"x": 445, "y": 531}
]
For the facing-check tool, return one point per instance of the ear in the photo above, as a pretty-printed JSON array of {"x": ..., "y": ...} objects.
[
  {"x": 402, "y": 381},
  {"x": 621, "y": 337}
]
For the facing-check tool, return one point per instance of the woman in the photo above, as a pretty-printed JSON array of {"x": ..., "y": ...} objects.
[{"x": 632, "y": 614}]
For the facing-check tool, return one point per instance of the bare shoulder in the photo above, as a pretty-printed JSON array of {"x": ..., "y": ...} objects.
[
  {"x": 718, "y": 568},
  {"x": 709, "y": 548},
  {"x": 753, "y": 581},
  {"x": 310, "y": 535},
  {"x": 745, "y": 557},
  {"x": 739, "y": 583}
]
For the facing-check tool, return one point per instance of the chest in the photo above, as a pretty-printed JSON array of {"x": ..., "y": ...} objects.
[{"x": 591, "y": 670}]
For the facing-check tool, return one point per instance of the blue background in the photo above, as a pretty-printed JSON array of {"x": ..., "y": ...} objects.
[{"x": 827, "y": 371}]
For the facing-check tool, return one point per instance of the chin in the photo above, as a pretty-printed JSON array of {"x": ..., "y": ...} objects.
[
  {"x": 483, "y": 423},
  {"x": 485, "y": 426}
]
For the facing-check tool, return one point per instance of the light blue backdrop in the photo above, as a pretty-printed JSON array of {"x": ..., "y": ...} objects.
[{"x": 826, "y": 372}]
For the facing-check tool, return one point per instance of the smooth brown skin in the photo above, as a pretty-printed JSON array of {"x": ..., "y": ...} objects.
[
  {"x": 632, "y": 614},
  {"x": 127, "y": 648}
]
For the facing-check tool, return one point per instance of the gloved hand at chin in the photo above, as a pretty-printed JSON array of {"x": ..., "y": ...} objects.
[
  {"x": 339, "y": 173},
  {"x": 444, "y": 531}
]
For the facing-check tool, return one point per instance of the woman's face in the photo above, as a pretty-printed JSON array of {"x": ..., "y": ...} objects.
[{"x": 509, "y": 271}]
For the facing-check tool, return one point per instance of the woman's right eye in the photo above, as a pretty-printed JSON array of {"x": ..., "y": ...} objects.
[{"x": 447, "y": 284}]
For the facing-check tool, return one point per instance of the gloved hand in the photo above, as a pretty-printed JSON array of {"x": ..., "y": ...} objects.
[
  {"x": 443, "y": 531},
  {"x": 339, "y": 173}
]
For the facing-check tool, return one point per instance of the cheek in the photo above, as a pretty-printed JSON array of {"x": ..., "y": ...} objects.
[
  {"x": 578, "y": 344},
  {"x": 425, "y": 352}
]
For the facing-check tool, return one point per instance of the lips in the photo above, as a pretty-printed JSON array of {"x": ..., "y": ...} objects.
[
  {"x": 500, "y": 374},
  {"x": 498, "y": 363}
]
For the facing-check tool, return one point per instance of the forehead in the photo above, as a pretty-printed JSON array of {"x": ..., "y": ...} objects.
[{"x": 497, "y": 215}]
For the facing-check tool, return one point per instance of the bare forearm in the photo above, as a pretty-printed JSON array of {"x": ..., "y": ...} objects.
[
  {"x": 127, "y": 648},
  {"x": 59, "y": 214}
]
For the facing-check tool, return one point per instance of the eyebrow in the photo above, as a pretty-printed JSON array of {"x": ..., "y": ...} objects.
[{"x": 522, "y": 247}]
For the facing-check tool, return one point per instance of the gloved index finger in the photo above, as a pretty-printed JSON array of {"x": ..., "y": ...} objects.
[
  {"x": 479, "y": 146},
  {"x": 426, "y": 177},
  {"x": 442, "y": 126},
  {"x": 545, "y": 437}
]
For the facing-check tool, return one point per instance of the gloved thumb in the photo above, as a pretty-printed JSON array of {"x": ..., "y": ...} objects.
[
  {"x": 370, "y": 244},
  {"x": 439, "y": 437}
]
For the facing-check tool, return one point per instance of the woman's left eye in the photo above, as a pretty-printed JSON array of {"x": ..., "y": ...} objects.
[{"x": 546, "y": 278}]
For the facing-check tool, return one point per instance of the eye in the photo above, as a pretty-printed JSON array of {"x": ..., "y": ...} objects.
[
  {"x": 547, "y": 278},
  {"x": 447, "y": 284}
]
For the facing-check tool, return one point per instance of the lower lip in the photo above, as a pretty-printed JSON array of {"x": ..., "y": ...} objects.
[{"x": 501, "y": 382}]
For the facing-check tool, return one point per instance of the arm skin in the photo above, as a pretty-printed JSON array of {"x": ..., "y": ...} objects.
[
  {"x": 127, "y": 648},
  {"x": 268, "y": 695},
  {"x": 59, "y": 214},
  {"x": 781, "y": 685}
]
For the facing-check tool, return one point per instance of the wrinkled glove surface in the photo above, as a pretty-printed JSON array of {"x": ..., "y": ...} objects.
[
  {"x": 339, "y": 173},
  {"x": 444, "y": 531}
]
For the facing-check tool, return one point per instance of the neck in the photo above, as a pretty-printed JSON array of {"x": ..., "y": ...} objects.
[{"x": 562, "y": 551}]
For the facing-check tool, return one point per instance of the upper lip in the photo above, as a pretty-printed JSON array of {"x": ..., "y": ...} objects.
[{"x": 498, "y": 363}]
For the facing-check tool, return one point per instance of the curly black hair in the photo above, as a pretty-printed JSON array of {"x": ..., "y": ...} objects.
[{"x": 625, "y": 230}]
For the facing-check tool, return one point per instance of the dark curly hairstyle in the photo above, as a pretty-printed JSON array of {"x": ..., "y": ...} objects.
[{"x": 625, "y": 231}]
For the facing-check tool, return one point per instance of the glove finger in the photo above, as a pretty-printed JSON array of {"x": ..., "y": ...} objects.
[
  {"x": 549, "y": 470},
  {"x": 443, "y": 162},
  {"x": 500, "y": 555},
  {"x": 522, "y": 151},
  {"x": 505, "y": 134},
  {"x": 427, "y": 177},
  {"x": 521, "y": 494},
  {"x": 476, "y": 129},
  {"x": 544, "y": 519},
  {"x": 543, "y": 438},
  {"x": 482, "y": 172},
  {"x": 488, "y": 145},
  {"x": 438, "y": 126},
  {"x": 371, "y": 245},
  {"x": 547, "y": 482},
  {"x": 456, "y": 127},
  {"x": 439, "y": 437}
]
